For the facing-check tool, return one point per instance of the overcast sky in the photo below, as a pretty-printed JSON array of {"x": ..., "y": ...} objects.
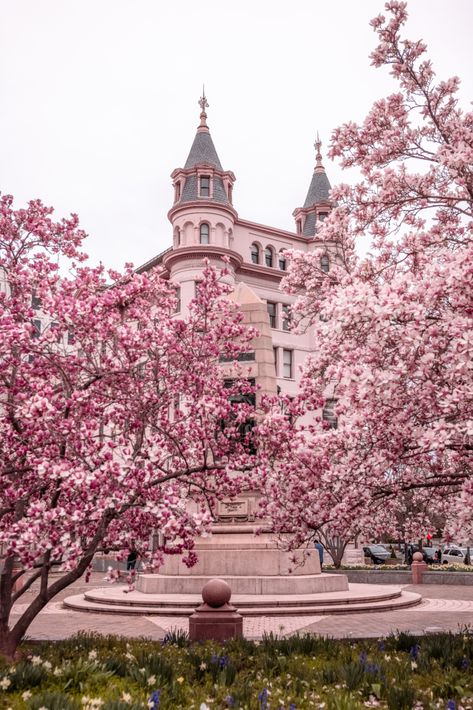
[{"x": 98, "y": 100}]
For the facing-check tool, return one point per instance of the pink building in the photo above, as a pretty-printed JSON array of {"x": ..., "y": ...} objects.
[{"x": 205, "y": 223}]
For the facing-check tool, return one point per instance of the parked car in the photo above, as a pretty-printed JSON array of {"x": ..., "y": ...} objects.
[
  {"x": 453, "y": 554},
  {"x": 377, "y": 553}
]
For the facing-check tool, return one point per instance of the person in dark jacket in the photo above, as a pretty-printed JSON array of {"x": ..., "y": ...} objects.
[{"x": 131, "y": 559}]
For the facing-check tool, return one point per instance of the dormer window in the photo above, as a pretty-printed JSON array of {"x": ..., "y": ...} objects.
[
  {"x": 177, "y": 192},
  {"x": 322, "y": 216},
  {"x": 205, "y": 186},
  {"x": 325, "y": 263},
  {"x": 255, "y": 253},
  {"x": 204, "y": 233},
  {"x": 299, "y": 226}
]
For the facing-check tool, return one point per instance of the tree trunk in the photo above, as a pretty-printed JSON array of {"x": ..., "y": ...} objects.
[
  {"x": 335, "y": 546},
  {"x": 11, "y": 636}
]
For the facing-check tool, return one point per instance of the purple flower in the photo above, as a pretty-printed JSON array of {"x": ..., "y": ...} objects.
[
  {"x": 414, "y": 652},
  {"x": 230, "y": 700},
  {"x": 451, "y": 705},
  {"x": 153, "y": 702},
  {"x": 263, "y": 699}
]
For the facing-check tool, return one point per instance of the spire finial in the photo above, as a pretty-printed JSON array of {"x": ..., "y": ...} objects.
[
  {"x": 203, "y": 103},
  {"x": 318, "y": 154}
]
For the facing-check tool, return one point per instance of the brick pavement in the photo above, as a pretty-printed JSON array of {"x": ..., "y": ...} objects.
[{"x": 444, "y": 607}]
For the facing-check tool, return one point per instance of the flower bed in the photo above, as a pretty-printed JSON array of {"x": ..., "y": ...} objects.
[
  {"x": 393, "y": 568},
  {"x": 90, "y": 672}
]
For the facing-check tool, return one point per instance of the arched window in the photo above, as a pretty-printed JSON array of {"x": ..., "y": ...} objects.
[
  {"x": 282, "y": 261},
  {"x": 268, "y": 256},
  {"x": 325, "y": 263},
  {"x": 255, "y": 253},
  {"x": 204, "y": 233},
  {"x": 177, "y": 235}
]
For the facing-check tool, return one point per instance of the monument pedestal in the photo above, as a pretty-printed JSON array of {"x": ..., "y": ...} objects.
[{"x": 251, "y": 564}]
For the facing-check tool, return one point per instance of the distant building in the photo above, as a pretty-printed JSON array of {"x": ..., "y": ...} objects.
[{"x": 206, "y": 224}]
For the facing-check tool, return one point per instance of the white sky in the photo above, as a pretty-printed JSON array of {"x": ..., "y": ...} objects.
[{"x": 98, "y": 101}]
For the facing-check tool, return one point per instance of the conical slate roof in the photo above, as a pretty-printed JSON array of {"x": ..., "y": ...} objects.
[
  {"x": 319, "y": 189},
  {"x": 203, "y": 151}
]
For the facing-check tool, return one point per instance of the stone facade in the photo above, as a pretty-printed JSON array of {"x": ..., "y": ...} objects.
[{"x": 205, "y": 223}]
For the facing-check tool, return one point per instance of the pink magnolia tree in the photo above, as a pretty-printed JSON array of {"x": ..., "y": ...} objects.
[
  {"x": 394, "y": 329},
  {"x": 115, "y": 420}
]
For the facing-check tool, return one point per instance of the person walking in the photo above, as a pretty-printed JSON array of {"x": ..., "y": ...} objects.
[
  {"x": 320, "y": 549},
  {"x": 131, "y": 559}
]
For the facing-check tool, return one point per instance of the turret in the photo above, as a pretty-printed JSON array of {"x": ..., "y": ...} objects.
[
  {"x": 317, "y": 204},
  {"x": 202, "y": 213},
  {"x": 202, "y": 216}
]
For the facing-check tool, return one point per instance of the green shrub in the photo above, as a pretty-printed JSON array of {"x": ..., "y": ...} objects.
[
  {"x": 400, "y": 697},
  {"x": 53, "y": 701},
  {"x": 27, "y": 675}
]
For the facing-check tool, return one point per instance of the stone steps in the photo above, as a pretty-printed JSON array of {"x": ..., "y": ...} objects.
[{"x": 357, "y": 600}]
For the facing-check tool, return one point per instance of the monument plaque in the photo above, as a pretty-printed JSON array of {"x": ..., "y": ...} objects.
[{"x": 232, "y": 509}]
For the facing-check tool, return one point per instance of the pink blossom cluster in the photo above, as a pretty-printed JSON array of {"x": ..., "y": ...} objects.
[
  {"x": 115, "y": 420},
  {"x": 394, "y": 329}
]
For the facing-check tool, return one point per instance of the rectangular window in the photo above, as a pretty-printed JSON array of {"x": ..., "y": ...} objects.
[
  {"x": 287, "y": 364},
  {"x": 35, "y": 301},
  {"x": 275, "y": 355},
  {"x": 36, "y": 327},
  {"x": 242, "y": 357},
  {"x": 177, "y": 309},
  {"x": 328, "y": 413},
  {"x": 286, "y": 318},
  {"x": 205, "y": 186},
  {"x": 55, "y": 328},
  {"x": 272, "y": 311}
]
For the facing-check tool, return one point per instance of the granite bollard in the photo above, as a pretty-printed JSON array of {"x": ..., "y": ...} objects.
[
  {"x": 215, "y": 619},
  {"x": 418, "y": 567}
]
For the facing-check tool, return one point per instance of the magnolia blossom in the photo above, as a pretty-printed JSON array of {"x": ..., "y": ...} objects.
[
  {"x": 115, "y": 420},
  {"x": 394, "y": 329}
]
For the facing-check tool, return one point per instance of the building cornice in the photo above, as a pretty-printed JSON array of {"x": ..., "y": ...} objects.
[
  {"x": 155, "y": 261},
  {"x": 206, "y": 204},
  {"x": 273, "y": 231},
  {"x": 316, "y": 207},
  {"x": 203, "y": 168},
  {"x": 261, "y": 272},
  {"x": 201, "y": 252}
]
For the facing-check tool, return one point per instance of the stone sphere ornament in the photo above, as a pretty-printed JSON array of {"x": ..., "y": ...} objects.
[
  {"x": 216, "y": 593},
  {"x": 417, "y": 557}
]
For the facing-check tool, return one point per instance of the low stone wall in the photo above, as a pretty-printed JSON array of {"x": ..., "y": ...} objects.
[{"x": 376, "y": 576}]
